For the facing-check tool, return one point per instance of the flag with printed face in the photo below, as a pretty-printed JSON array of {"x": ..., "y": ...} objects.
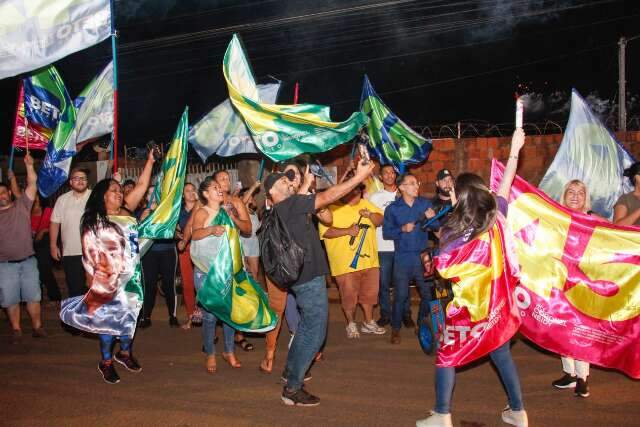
[
  {"x": 35, "y": 33},
  {"x": 161, "y": 223},
  {"x": 37, "y": 137},
  {"x": 48, "y": 104},
  {"x": 282, "y": 131},
  {"x": 589, "y": 152},
  {"x": 391, "y": 141},
  {"x": 579, "y": 290},
  {"x": 222, "y": 131},
  {"x": 483, "y": 314}
]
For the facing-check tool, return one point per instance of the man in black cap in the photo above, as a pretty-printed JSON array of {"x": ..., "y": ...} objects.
[
  {"x": 444, "y": 185},
  {"x": 310, "y": 288}
]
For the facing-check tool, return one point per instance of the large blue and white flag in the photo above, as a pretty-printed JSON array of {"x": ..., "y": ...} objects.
[
  {"x": 223, "y": 132},
  {"x": 35, "y": 33},
  {"x": 589, "y": 152},
  {"x": 95, "y": 107}
]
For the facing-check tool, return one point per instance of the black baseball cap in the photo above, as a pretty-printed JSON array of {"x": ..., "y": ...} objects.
[
  {"x": 271, "y": 179},
  {"x": 442, "y": 174}
]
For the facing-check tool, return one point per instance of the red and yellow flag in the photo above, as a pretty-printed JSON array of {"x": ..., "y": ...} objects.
[
  {"x": 579, "y": 292},
  {"x": 482, "y": 315}
]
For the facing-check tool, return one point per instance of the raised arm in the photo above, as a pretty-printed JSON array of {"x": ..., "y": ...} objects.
[
  {"x": 242, "y": 220},
  {"x": 13, "y": 183},
  {"x": 335, "y": 192},
  {"x": 32, "y": 177},
  {"x": 517, "y": 141},
  {"x": 132, "y": 200},
  {"x": 249, "y": 192}
]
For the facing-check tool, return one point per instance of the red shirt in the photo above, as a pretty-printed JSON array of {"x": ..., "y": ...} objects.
[{"x": 41, "y": 222}]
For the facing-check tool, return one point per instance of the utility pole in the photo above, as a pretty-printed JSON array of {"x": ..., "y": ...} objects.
[{"x": 622, "y": 86}]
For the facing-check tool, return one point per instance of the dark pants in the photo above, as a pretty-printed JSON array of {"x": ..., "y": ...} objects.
[
  {"x": 47, "y": 279},
  {"x": 386, "y": 280},
  {"x": 407, "y": 267},
  {"x": 74, "y": 273},
  {"x": 162, "y": 262}
]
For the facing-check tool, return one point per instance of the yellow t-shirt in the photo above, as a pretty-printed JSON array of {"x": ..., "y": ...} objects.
[{"x": 339, "y": 252}]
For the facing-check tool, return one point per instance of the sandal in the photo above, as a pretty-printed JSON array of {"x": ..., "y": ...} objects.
[
  {"x": 232, "y": 360},
  {"x": 244, "y": 344},
  {"x": 210, "y": 363},
  {"x": 266, "y": 366}
]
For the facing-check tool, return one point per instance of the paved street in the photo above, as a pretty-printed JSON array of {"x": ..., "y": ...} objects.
[{"x": 367, "y": 382}]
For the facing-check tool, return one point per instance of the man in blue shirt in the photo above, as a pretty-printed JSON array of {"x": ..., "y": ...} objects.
[{"x": 402, "y": 224}]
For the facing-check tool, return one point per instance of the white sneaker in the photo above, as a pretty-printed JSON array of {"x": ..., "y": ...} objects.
[
  {"x": 435, "y": 420},
  {"x": 372, "y": 328},
  {"x": 352, "y": 330},
  {"x": 515, "y": 418}
]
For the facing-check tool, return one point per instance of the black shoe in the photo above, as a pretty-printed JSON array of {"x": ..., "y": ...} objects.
[
  {"x": 108, "y": 372},
  {"x": 383, "y": 321},
  {"x": 582, "y": 388},
  {"x": 144, "y": 323},
  {"x": 299, "y": 398},
  {"x": 173, "y": 322},
  {"x": 567, "y": 381},
  {"x": 128, "y": 361},
  {"x": 408, "y": 322}
]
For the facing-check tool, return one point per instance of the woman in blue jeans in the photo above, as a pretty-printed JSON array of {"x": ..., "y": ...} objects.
[
  {"x": 475, "y": 212},
  {"x": 205, "y": 243}
]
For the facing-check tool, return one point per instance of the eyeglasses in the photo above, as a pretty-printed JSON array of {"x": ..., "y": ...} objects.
[{"x": 78, "y": 179}]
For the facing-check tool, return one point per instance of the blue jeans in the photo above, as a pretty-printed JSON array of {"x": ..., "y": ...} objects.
[
  {"x": 291, "y": 313},
  {"x": 19, "y": 281},
  {"x": 209, "y": 321},
  {"x": 408, "y": 266},
  {"x": 107, "y": 342},
  {"x": 501, "y": 357},
  {"x": 386, "y": 279},
  {"x": 314, "y": 312}
]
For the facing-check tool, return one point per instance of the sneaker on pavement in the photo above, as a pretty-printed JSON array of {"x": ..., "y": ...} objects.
[
  {"x": 582, "y": 388},
  {"x": 16, "y": 336},
  {"x": 108, "y": 372},
  {"x": 395, "y": 336},
  {"x": 128, "y": 361},
  {"x": 435, "y": 420},
  {"x": 372, "y": 328},
  {"x": 173, "y": 322},
  {"x": 352, "y": 330},
  {"x": 383, "y": 321},
  {"x": 408, "y": 322},
  {"x": 39, "y": 333},
  {"x": 567, "y": 381},
  {"x": 299, "y": 398},
  {"x": 515, "y": 418}
]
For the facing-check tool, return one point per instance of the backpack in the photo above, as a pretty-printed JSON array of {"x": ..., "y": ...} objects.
[{"x": 282, "y": 257}]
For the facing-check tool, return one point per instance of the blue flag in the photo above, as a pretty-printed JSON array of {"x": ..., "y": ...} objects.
[
  {"x": 223, "y": 132},
  {"x": 589, "y": 152},
  {"x": 390, "y": 139}
]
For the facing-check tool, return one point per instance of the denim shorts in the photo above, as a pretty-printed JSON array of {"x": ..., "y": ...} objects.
[{"x": 19, "y": 281}]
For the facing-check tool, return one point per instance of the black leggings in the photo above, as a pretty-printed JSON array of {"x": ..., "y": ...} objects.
[
  {"x": 47, "y": 279},
  {"x": 162, "y": 262}
]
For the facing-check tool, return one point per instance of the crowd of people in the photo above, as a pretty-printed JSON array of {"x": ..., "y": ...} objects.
[{"x": 373, "y": 245}]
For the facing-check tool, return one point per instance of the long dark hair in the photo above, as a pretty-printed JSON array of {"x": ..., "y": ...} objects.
[
  {"x": 95, "y": 211},
  {"x": 475, "y": 210},
  {"x": 204, "y": 186}
]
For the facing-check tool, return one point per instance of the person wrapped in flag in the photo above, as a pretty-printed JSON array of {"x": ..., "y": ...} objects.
[
  {"x": 224, "y": 289},
  {"x": 111, "y": 258},
  {"x": 475, "y": 255}
]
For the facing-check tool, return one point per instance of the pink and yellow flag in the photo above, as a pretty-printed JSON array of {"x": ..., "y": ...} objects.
[
  {"x": 579, "y": 292},
  {"x": 37, "y": 137},
  {"x": 482, "y": 315}
]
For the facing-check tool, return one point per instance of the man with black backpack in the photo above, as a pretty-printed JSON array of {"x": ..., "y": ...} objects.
[{"x": 303, "y": 271}]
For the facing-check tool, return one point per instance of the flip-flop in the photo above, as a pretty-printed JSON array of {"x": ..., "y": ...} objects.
[
  {"x": 212, "y": 368},
  {"x": 244, "y": 344}
]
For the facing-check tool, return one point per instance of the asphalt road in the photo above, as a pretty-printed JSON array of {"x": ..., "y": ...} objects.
[{"x": 365, "y": 382}]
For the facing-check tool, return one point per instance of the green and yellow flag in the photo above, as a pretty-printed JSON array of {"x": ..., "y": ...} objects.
[
  {"x": 229, "y": 291},
  {"x": 161, "y": 224},
  {"x": 282, "y": 131}
]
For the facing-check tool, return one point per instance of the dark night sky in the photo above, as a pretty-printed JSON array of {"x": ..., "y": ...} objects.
[{"x": 431, "y": 61}]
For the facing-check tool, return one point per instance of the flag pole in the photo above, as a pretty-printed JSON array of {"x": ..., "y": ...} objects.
[
  {"x": 13, "y": 150},
  {"x": 114, "y": 52},
  {"x": 15, "y": 124}
]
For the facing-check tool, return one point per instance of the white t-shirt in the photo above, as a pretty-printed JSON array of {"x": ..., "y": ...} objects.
[
  {"x": 68, "y": 212},
  {"x": 382, "y": 199}
]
